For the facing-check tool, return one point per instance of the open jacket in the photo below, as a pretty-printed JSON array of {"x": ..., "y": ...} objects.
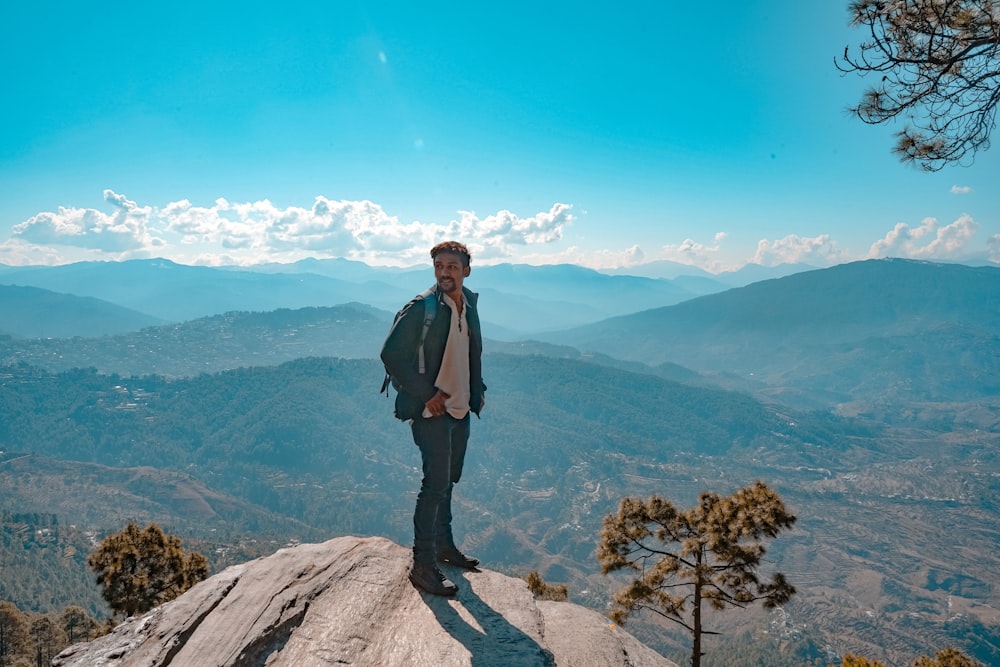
[{"x": 399, "y": 354}]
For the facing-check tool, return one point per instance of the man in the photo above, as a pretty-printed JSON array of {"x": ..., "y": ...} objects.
[{"x": 437, "y": 399}]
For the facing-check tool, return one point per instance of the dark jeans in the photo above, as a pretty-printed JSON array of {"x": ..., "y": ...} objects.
[{"x": 442, "y": 442}]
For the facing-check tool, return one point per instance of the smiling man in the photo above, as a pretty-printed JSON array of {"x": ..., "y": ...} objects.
[{"x": 434, "y": 354}]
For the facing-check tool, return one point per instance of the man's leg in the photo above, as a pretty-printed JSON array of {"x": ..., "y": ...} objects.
[
  {"x": 432, "y": 436},
  {"x": 458, "y": 438},
  {"x": 444, "y": 540}
]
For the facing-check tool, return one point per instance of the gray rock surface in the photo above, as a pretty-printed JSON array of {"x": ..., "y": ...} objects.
[{"x": 348, "y": 602}]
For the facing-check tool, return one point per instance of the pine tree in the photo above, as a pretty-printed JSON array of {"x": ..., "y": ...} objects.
[
  {"x": 13, "y": 633},
  {"x": 141, "y": 569},
  {"x": 859, "y": 661},
  {"x": 48, "y": 639},
  {"x": 541, "y": 590},
  {"x": 706, "y": 554},
  {"x": 948, "y": 657},
  {"x": 936, "y": 65},
  {"x": 77, "y": 624}
]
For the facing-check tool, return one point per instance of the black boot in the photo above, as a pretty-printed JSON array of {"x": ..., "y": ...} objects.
[
  {"x": 452, "y": 556},
  {"x": 430, "y": 579}
]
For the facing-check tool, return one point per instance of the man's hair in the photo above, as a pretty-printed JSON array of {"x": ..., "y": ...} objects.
[{"x": 453, "y": 247}]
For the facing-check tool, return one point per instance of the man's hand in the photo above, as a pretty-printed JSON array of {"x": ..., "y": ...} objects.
[{"x": 435, "y": 405}]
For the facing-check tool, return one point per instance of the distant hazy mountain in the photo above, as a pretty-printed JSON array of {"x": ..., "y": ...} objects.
[
  {"x": 31, "y": 312},
  {"x": 872, "y": 329},
  {"x": 339, "y": 268},
  {"x": 659, "y": 269},
  {"x": 580, "y": 285},
  {"x": 751, "y": 273},
  {"x": 518, "y": 300},
  {"x": 175, "y": 292},
  {"x": 678, "y": 272}
]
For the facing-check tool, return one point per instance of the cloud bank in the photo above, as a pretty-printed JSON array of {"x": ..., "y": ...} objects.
[
  {"x": 247, "y": 233},
  {"x": 125, "y": 229},
  {"x": 928, "y": 241}
]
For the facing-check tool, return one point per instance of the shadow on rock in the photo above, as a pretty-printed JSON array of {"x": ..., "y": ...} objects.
[{"x": 491, "y": 639}]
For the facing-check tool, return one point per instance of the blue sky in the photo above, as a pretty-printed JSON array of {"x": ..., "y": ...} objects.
[{"x": 712, "y": 134}]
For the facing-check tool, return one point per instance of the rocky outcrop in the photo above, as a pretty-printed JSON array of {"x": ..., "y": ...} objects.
[{"x": 348, "y": 602}]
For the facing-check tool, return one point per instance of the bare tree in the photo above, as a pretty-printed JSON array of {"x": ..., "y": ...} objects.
[
  {"x": 938, "y": 63},
  {"x": 706, "y": 554}
]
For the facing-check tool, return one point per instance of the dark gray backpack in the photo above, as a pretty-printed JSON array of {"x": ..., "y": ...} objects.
[{"x": 429, "y": 297}]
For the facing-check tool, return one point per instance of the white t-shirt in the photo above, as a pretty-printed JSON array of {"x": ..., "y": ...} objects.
[{"x": 453, "y": 378}]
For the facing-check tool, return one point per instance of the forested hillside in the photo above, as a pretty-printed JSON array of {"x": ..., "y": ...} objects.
[
  {"x": 309, "y": 449},
  {"x": 43, "y": 560},
  {"x": 323, "y": 419},
  {"x": 30, "y": 312},
  {"x": 212, "y": 344}
]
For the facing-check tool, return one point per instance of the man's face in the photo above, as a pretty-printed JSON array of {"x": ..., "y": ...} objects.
[{"x": 450, "y": 272}]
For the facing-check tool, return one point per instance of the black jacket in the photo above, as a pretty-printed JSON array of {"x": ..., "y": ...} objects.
[{"x": 399, "y": 354}]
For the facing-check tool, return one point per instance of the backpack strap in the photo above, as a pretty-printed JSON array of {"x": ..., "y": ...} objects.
[{"x": 430, "y": 312}]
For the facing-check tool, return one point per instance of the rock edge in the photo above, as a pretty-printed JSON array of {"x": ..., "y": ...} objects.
[{"x": 347, "y": 601}]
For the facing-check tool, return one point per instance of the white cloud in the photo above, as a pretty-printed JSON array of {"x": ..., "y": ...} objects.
[
  {"x": 695, "y": 253},
  {"x": 961, "y": 190},
  {"x": 494, "y": 235},
  {"x": 258, "y": 231},
  {"x": 16, "y": 252},
  {"x": 948, "y": 242},
  {"x": 125, "y": 229},
  {"x": 689, "y": 252},
  {"x": 793, "y": 249},
  {"x": 634, "y": 255}
]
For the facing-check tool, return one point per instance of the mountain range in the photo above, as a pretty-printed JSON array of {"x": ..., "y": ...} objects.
[
  {"x": 523, "y": 299},
  {"x": 862, "y": 335},
  {"x": 866, "y": 394},
  {"x": 861, "y": 338}
]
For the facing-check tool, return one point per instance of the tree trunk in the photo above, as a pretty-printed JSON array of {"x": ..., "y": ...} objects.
[{"x": 696, "y": 617}]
